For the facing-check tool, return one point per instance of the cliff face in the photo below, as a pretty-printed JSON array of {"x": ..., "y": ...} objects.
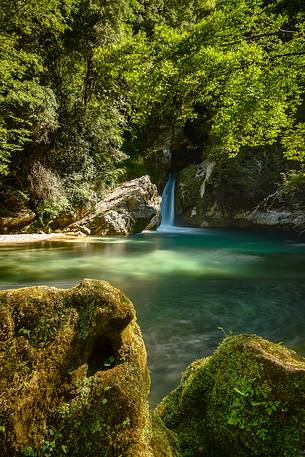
[
  {"x": 245, "y": 191},
  {"x": 248, "y": 190}
]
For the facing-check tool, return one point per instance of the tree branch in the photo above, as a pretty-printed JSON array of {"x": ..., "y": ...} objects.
[
  {"x": 261, "y": 35},
  {"x": 287, "y": 54}
]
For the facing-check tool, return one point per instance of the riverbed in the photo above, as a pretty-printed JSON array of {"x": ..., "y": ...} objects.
[{"x": 189, "y": 287}]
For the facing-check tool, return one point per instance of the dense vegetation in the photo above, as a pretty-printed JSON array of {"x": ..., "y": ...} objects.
[{"x": 83, "y": 80}]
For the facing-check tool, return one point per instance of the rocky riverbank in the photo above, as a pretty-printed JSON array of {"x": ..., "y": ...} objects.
[
  {"x": 74, "y": 381},
  {"x": 130, "y": 208},
  {"x": 238, "y": 193}
]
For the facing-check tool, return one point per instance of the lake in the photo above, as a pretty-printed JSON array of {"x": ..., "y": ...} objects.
[{"x": 189, "y": 287}]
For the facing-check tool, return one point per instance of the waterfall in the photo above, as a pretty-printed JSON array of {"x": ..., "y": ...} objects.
[{"x": 168, "y": 203}]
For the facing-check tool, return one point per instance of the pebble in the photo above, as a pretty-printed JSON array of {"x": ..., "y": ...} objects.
[{"x": 28, "y": 237}]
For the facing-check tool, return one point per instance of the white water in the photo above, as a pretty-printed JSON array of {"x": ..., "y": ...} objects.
[{"x": 168, "y": 205}]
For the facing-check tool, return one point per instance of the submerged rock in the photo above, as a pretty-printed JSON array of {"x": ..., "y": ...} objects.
[
  {"x": 130, "y": 208},
  {"x": 73, "y": 375},
  {"x": 245, "y": 400}
]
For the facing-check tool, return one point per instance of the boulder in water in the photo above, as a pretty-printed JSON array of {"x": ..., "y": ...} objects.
[
  {"x": 74, "y": 381},
  {"x": 246, "y": 400},
  {"x": 73, "y": 375}
]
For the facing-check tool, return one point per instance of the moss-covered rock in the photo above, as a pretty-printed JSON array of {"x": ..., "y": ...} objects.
[
  {"x": 245, "y": 400},
  {"x": 74, "y": 382},
  {"x": 15, "y": 223},
  {"x": 73, "y": 375}
]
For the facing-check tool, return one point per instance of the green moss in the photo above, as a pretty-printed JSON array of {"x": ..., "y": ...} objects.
[
  {"x": 74, "y": 360},
  {"x": 246, "y": 400},
  {"x": 163, "y": 441}
]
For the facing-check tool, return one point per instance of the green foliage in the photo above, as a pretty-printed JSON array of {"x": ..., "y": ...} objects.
[
  {"x": 29, "y": 452},
  {"x": 51, "y": 114},
  {"x": 238, "y": 60},
  {"x": 294, "y": 143},
  {"x": 242, "y": 401},
  {"x": 294, "y": 180},
  {"x": 262, "y": 410},
  {"x": 83, "y": 80},
  {"x": 49, "y": 191}
]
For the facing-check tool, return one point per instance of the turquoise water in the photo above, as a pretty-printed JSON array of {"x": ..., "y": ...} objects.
[{"x": 189, "y": 287}]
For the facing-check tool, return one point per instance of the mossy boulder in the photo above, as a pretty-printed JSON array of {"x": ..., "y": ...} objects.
[
  {"x": 16, "y": 223},
  {"x": 73, "y": 375},
  {"x": 245, "y": 400},
  {"x": 74, "y": 382}
]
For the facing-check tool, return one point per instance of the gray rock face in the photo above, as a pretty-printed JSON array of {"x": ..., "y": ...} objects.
[
  {"x": 226, "y": 194},
  {"x": 273, "y": 218},
  {"x": 130, "y": 208}
]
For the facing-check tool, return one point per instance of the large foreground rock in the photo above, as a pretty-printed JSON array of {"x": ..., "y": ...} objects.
[
  {"x": 74, "y": 382},
  {"x": 246, "y": 400},
  {"x": 130, "y": 208},
  {"x": 73, "y": 375}
]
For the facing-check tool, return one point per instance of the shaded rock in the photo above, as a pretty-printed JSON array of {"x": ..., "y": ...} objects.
[
  {"x": 285, "y": 208},
  {"x": 15, "y": 215},
  {"x": 66, "y": 218},
  {"x": 130, "y": 208},
  {"x": 167, "y": 148},
  {"x": 193, "y": 197},
  {"x": 237, "y": 192},
  {"x": 273, "y": 218},
  {"x": 245, "y": 400},
  {"x": 13, "y": 201},
  {"x": 16, "y": 222},
  {"x": 73, "y": 375}
]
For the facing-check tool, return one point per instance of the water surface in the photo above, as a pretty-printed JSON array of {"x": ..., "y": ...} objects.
[{"x": 188, "y": 287}]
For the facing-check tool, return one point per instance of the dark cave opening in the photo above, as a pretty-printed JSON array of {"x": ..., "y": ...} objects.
[{"x": 103, "y": 355}]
